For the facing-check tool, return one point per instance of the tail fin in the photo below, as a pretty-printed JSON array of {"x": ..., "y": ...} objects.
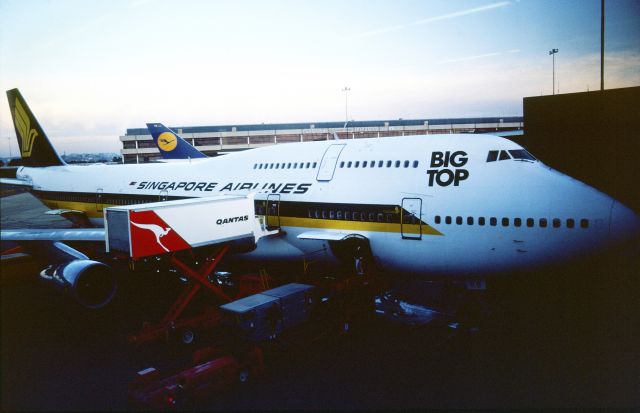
[
  {"x": 35, "y": 148},
  {"x": 171, "y": 145}
]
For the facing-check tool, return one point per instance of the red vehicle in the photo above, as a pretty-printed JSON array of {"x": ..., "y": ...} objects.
[{"x": 213, "y": 370}]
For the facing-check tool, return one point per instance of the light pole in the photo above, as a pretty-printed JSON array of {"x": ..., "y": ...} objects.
[
  {"x": 346, "y": 113},
  {"x": 602, "y": 45},
  {"x": 553, "y": 52}
]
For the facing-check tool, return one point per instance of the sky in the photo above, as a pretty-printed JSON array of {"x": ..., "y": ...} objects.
[{"x": 91, "y": 69}]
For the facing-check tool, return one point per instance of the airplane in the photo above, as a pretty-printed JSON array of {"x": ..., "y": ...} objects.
[
  {"x": 448, "y": 207},
  {"x": 171, "y": 145}
]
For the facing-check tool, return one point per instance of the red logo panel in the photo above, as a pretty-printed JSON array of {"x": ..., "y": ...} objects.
[{"x": 150, "y": 235}]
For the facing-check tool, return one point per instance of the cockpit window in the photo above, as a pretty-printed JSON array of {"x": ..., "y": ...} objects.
[
  {"x": 521, "y": 154},
  {"x": 503, "y": 155}
]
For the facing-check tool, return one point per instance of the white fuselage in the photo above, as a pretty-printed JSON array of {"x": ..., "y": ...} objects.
[{"x": 444, "y": 180}]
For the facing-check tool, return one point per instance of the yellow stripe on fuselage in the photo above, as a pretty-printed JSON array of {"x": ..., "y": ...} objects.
[
  {"x": 352, "y": 225},
  {"x": 89, "y": 208}
]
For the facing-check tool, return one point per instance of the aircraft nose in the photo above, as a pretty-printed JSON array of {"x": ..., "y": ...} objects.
[{"x": 625, "y": 223}]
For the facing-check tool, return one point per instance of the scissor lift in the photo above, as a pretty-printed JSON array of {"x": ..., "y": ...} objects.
[{"x": 167, "y": 228}]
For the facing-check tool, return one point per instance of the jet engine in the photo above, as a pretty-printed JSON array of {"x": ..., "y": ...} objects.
[{"x": 91, "y": 283}]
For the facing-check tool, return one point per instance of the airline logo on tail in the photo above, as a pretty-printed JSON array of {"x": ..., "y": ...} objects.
[
  {"x": 167, "y": 141},
  {"x": 23, "y": 126}
]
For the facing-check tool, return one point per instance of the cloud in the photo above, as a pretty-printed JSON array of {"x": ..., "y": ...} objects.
[
  {"x": 480, "y": 56},
  {"x": 428, "y": 20}
]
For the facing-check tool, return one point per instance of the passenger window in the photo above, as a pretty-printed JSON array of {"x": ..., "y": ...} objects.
[
  {"x": 342, "y": 164},
  {"x": 332, "y": 214},
  {"x": 437, "y": 219},
  {"x": 380, "y": 163},
  {"x": 372, "y": 216},
  {"x": 570, "y": 223},
  {"x": 316, "y": 213},
  {"x": 504, "y": 155},
  {"x": 372, "y": 164},
  {"x": 493, "y": 221},
  {"x": 364, "y": 164},
  {"x": 447, "y": 220},
  {"x": 505, "y": 222},
  {"x": 255, "y": 166},
  {"x": 380, "y": 217},
  {"x": 339, "y": 215},
  {"x": 543, "y": 222},
  {"x": 389, "y": 217},
  {"x": 556, "y": 223},
  {"x": 324, "y": 214},
  {"x": 469, "y": 220},
  {"x": 493, "y": 156},
  {"x": 389, "y": 164},
  {"x": 347, "y": 215},
  {"x": 481, "y": 221},
  {"x": 397, "y": 164},
  {"x": 357, "y": 164},
  {"x": 459, "y": 220},
  {"x": 363, "y": 216},
  {"x": 270, "y": 166},
  {"x": 406, "y": 164},
  {"x": 415, "y": 164},
  {"x": 517, "y": 222},
  {"x": 530, "y": 222},
  {"x": 315, "y": 164},
  {"x": 584, "y": 223},
  {"x": 349, "y": 164},
  {"x": 277, "y": 165},
  {"x": 289, "y": 165}
]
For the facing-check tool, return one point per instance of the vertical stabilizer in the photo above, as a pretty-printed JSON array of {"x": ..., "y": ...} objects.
[
  {"x": 35, "y": 148},
  {"x": 171, "y": 145}
]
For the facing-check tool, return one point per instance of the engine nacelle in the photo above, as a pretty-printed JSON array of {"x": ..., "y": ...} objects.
[{"x": 91, "y": 283}]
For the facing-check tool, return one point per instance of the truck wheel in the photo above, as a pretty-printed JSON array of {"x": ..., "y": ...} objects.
[
  {"x": 244, "y": 375},
  {"x": 187, "y": 336}
]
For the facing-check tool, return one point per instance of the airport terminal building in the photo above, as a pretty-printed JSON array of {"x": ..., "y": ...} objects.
[{"x": 138, "y": 147}]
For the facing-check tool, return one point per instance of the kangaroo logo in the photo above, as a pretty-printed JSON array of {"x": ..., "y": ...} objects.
[
  {"x": 157, "y": 230},
  {"x": 167, "y": 142},
  {"x": 23, "y": 126}
]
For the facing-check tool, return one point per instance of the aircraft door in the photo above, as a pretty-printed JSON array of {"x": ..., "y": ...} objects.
[
  {"x": 99, "y": 200},
  {"x": 411, "y": 218},
  {"x": 329, "y": 161},
  {"x": 273, "y": 211}
]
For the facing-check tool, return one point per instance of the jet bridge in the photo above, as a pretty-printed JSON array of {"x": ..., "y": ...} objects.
[{"x": 157, "y": 228}]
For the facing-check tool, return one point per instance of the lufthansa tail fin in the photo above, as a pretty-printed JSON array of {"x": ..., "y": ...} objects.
[
  {"x": 171, "y": 145},
  {"x": 35, "y": 148}
]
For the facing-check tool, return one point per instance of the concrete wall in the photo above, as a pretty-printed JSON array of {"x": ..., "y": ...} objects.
[{"x": 592, "y": 136}]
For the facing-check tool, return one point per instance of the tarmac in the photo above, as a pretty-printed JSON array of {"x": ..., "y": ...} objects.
[{"x": 565, "y": 338}]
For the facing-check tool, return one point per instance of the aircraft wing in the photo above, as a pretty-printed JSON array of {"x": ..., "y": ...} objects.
[
  {"x": 16, "y": 182},
  {"x": 47, "y": 234},
  {"x": 324, "y": 235}
]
